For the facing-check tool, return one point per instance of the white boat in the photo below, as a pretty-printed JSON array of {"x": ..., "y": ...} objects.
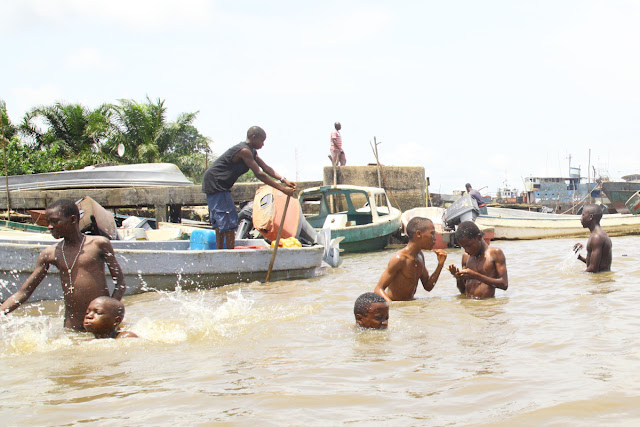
[
  {"x": 135, "y": 175},
  {"x": 515, "y": 224},
  {"x": 362, "y": 215},
  {"x": 162, "y": 265},
  {"x": 445, "y": 238}
]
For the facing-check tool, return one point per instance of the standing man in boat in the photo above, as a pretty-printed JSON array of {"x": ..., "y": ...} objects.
[
  {"x": 476, "y": 195},
  {"x": 335, "y": 147},
  {"x": 225, "y": 171},
  {"x": 599, "y": 245},
  {"x": 80, "y": 259}
]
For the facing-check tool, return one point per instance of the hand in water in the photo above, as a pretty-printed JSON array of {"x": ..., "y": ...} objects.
[{"x": 577, "y": 247}]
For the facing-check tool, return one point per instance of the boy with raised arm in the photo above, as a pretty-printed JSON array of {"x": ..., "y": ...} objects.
[
  {"x": 484, "y": 267},
  {"x": 599, "y": 245},
  {"x": 103, "y": 319},
  {"x": 80, "y": 259},
  {"x": 399, "y": 281}
]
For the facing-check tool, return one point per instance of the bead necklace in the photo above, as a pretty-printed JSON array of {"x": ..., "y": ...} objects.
[{"x": 74, "y": 261}]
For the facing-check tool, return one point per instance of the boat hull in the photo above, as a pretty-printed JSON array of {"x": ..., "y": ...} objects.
[
  {"x": 366, "y": 238},
  {"x": 619, "y": 192},
  {"x": 512, "y": 224},
  {"x": 164, "y": 266}
]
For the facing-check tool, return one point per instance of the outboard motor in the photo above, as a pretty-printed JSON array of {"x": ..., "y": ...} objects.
[
  {"x": 245, "y": 221},
  {"x": 463, "y": 209}
]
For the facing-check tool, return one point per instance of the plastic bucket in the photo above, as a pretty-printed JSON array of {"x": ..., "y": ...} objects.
[{"x": 202, "y": 240}]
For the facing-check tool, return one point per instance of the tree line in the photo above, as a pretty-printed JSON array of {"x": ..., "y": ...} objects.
[{"x": 71, "y": 136}]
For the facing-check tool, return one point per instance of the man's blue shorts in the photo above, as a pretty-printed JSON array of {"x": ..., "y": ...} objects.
[{"x": 222, "y": 211}]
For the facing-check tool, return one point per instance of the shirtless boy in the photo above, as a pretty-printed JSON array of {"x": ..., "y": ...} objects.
[
  {"x": 400, "y": 280},
  {"x": 599, "y": 244},
  {"x": 80, "y": 259},
  {"x": 103, "y": 318},
  {"x": 371, "y": 311},
  {"x": 484, "y": 267}
]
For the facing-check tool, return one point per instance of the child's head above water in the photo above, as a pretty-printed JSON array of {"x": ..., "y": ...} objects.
[
  {"x": 103, "y": 317},
  {"x": 371, "y": 311}
]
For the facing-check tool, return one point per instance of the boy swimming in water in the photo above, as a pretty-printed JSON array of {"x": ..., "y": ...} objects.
[
  {"x": 371, "y": 311},
  {"x": 79, "y": 258},
  {"x": 400, "y": 280},
  {"x": 103, "y": 318},
  {"x": 484, "y": 267}
]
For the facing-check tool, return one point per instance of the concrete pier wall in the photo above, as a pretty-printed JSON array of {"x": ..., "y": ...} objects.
[{"x": 405, "y": 185}]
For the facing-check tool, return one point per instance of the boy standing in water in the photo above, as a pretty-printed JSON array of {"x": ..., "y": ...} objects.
[
  {"x": 599, "y": 245},
  {"x": 371, "y": 311},
  {"x": 400, "y": 280},
  {"x": 484, "y": 267},
  {"x": 103, "y": 317},
  {"x": 80, "y": 259}
]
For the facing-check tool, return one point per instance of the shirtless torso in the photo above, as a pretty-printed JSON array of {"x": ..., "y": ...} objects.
[
  {"x": 484, "y": 269},
  {"x": 82, "y": 275}
]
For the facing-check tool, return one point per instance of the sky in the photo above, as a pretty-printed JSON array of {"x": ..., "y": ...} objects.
[{"x": 486, "y": 92}]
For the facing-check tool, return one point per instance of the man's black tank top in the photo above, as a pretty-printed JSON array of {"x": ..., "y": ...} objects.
[{"x": 223, "y": 173}]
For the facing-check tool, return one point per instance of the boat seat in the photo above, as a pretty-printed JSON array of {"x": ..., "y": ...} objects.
[{"x": 335, "y": 221}]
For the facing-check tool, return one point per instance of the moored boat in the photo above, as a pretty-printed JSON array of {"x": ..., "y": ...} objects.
[
  {"x": 445, "y": 238},
  {"x": 162, "y": 265},
  {"x": 514, "y": 224},
  {"x": 362, "y": 215}
]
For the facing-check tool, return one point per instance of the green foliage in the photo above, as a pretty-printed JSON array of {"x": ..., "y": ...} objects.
[
  {"x": 248, "y": 177},
  {"x": 70, "y": 136}
]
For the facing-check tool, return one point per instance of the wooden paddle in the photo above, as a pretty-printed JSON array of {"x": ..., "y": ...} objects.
[{"x": 275, "y": 248}]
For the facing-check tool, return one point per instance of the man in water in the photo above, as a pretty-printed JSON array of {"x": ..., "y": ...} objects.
[
  {"x": 599, "y": 252},
  {"x": 103, "y": 319},
  {"x": 371, "y": 311},
  {"x": 225, "y": 171},
  {"x": 80, "y": 259},
  {"x": 399, "y": 281},
  {"x": 484, "y": 267},
  {"x": 335, "y": 147}
]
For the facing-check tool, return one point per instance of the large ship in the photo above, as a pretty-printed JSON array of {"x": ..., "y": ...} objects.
[
  {"x": 619, "y": 192},
  {"x": 562, "y": 194}
]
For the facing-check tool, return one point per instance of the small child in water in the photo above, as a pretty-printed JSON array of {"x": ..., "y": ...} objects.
[
  {"x": 103, "y": 318},
  {"x": 371, "y": 311}
]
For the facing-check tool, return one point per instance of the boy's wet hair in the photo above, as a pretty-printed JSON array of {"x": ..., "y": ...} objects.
[
  {"x": 67, "y": 207},
  {"x": 115, "y": 306},
  {"x": 364, "y": 301},
  {"x": 415, "y": 224},
  {"x": 468, "y": 230}
]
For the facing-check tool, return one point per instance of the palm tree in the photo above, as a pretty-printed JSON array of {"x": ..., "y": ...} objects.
[
  {"x": 71, "y": 129},
  {"x": 138, "y": 127}
]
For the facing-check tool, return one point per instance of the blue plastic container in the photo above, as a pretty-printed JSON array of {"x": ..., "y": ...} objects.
[{"x": 202, "y": 240}]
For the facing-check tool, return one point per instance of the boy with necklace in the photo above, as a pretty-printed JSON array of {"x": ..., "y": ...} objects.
[{"x": 81, "y": 260}]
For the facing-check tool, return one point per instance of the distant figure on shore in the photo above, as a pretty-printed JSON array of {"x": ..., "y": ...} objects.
[
  {"x": 400, "y": 280},
  {"x": 599, "y": 245},
  {"x": 476, "y": 195},
  {"x": 335, "y": 147},
  {"x": 225, "y": 171},
  {"x": 484, "y": 267},
  {"x": 371, "y": 311},
  {"x": 103, "y": 318},
  {"x": 80, "y": 259}
]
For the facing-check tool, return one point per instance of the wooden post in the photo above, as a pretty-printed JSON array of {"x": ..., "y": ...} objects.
[{"x": 5, "y": 143}]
